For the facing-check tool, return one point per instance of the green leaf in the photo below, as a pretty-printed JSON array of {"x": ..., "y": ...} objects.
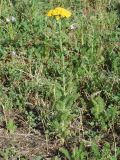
[
  {"x": 11, "y": 127},
  {"x": 66, "y": 153},
  {"x": 98, "y": 106}
]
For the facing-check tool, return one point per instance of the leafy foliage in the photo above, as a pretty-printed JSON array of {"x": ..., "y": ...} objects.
[{"x": 61, "y": 79}]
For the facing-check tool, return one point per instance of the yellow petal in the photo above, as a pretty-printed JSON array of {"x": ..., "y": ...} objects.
[
  {"x": 59, "y": 12},
  {"x": 49, "y": 13}
]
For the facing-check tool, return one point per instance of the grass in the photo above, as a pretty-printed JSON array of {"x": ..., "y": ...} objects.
[{"x": 59, "y": 80}]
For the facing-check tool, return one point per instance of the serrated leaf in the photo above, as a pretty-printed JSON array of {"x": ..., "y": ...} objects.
[{"x": 98, "y": 106}]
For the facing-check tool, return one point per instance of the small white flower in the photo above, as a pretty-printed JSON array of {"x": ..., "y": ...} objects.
[
  {"x": 73, "y": 27},
  {"x": 13, "y": 19},
  {"x": 13, "y": 53},
  {"x": 7, "y": 20},
  {"x": 10, "y": 19}
]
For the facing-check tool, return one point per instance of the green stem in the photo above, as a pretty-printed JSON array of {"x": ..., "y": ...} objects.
[
  {"x": 1, "y": 3},
  {"x": 63, "y": 70},
  {"x": 63, "y": 63},
  {"x": 63, "y": 58},
  {"x": 60, "y": 36}
]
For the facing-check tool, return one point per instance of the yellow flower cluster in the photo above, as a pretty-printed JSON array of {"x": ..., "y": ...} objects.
[{"x": 59, "y": 13}]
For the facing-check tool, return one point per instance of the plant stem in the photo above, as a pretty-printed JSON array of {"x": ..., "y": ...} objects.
[
  {"x": 1, "y": 7},
  {"x": 63, "y": 71},
  {"x": 63, "y": 58}
]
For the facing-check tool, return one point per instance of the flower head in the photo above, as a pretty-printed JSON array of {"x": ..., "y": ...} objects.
[{"x": 59, "y": 13}]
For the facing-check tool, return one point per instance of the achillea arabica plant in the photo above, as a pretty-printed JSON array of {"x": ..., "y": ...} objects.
[{"x": 63, "y": 102}]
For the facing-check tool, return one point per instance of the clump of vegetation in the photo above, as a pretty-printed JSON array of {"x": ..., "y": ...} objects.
[{"x": 59, "y": 79}]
